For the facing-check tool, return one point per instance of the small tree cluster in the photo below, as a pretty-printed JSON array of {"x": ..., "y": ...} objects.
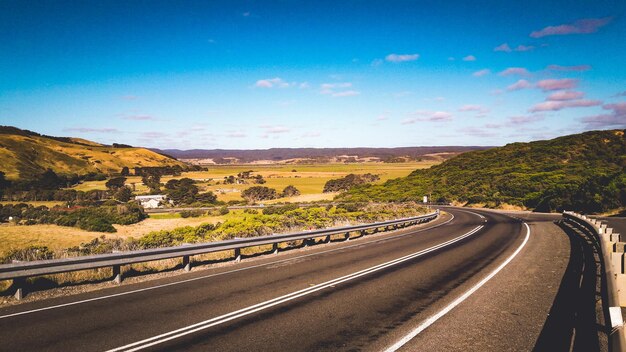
[
  {"x": 348, "y": 182},
  {"x": 258, "y": 193}
]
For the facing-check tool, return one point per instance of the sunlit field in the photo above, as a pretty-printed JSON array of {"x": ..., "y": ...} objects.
[{"x": 308, "y": 179}]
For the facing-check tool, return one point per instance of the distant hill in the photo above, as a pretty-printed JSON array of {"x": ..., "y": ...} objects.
[
  {"x": 224, "y": 156},
  {"x": 24, "y": 154},
  {"x": 585, "y": 172}
]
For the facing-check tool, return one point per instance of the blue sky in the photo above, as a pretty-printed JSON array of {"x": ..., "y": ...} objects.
[{"x": 262, "y": 74}]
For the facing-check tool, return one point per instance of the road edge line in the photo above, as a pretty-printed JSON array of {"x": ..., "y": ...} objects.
[{"x": 428, "y": 322}]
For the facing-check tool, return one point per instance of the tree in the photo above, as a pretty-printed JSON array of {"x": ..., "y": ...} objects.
[
  {"x": 184, "y": 191},
  {"x": 4, "y": 184},
  {"x": 115, "y": 183},
  {"x": 259, "y": 193},
  {"x": 123, "y": 194},
  {"x": 125, "y": 171},
  {"x": 290, "y": 191},
  {"x": 152, "y": 181},
  {"x": 50, "y": 180},
  {"x": 258, "y": 179},
  {"x": 229, "y": 180}
]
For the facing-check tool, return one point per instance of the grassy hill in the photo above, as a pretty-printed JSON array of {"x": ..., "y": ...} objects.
[
  {"x": 585, "y": 172},
  {"x": 24, "y": 154}
]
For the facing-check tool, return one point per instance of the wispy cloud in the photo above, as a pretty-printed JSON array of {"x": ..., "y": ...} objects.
[
  {"x": 521, "y": 84},
  {"x": 428, "y": 116},
  {"x": 569, "y": 68},
  {"x": 338, "y": 89},
  {"x": 275, "y": 129},
  {"x": 479, "y": 109},
  {"x": 382, "y": 117},
  {"x": 515, "y": 71},
  {"x": 555, "y": 105},
  {"x": 139, "y": 117},
  {"x": 346, "y": 93},
  {"x": 557, "y": 84},
  {"x": 271, "y": 83},
  {"x": 236, "y": 134},
  {"x": 565, "y": 95},
  {"x": 621, "y": 94},
  {"x": 477, "y": 132},
  {"x": 92, "y": 130},
  {"x": 615, "y": 119},
  {"x": 402, "y": 57},
  {"x": 481, "y": 73},
  {"x": 153, "y": 135},
  {"x": 583, "y": 26},
  {"x": 469, "y": 58},
  {"x": 504, "y": 47},
  {"x": 523, "y": 120},
  {"x": 522, "y": 47},
  {"x": 311, "y": 134}
]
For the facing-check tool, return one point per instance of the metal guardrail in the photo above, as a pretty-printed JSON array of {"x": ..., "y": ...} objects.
[
  {"x": 605, "y": 237},
  {"x": 22, "y": 270}
]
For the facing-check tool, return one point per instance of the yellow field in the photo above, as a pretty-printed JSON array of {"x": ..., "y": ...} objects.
[
  {"x": 61, "y": 237},
  {"x": 309, "y": 179}
]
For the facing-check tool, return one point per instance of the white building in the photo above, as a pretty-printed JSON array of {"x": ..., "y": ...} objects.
[{"x": 152, "y": 201}]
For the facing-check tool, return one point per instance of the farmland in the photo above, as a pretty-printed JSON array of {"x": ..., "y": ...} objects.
[{"x": 309, "y": 179}]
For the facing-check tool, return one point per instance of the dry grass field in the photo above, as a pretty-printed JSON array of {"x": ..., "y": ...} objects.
[
  {"x": 309, "y": 178},
  {"x": 61, "y": 237}
]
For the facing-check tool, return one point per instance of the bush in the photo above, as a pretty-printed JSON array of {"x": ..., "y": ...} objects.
[
  {"x": 28, "y": 254},
  {"x": 257, "y": 193},
  {"x": 290, "y": 191},
  {"x": 191, "y": 213}
]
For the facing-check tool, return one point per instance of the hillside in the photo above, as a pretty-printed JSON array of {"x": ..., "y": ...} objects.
[
  {"x": 583, "y": 172},
  {"x": 24, "y": 154},
  {"x": 295, "y": 155}
]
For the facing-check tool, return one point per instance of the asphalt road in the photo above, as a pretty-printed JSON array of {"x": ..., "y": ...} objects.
[{"x": 497, "y": 279}]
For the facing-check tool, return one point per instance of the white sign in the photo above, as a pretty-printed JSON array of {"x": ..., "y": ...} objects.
[{"x": 425, "y": 199}]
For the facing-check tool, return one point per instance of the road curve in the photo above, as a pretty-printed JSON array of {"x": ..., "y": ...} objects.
[{"x": 365, "y": 294}]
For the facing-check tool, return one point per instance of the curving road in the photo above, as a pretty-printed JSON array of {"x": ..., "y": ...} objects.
[{"x": 471, "y": 280}]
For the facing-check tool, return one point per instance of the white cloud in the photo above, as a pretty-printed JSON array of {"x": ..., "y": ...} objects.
[
  {"x": 402, "y": 57},
  {"x": 429, "y": 116},
  {"x": 469, "y": 58},
  {"x": 346, "y": 93},
  {"x": 521, "y": 84},
  {"x": 271, "y": 83},
  {"x": 481, "y": 73}
]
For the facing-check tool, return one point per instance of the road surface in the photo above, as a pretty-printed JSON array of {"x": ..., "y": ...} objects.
[{"x": 472, "y": 280}]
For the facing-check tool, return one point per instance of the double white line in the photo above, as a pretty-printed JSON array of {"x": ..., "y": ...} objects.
[{"x": 159, "y": 339}]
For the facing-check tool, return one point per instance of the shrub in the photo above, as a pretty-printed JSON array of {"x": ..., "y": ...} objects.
[
  {"x": 257, "y": 193},
  {"x": 290, "y": 191}
]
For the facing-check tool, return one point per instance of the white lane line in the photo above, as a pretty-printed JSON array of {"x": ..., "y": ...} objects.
[
  {"x": 387, "y": 238},
  {"x": 159, "y": 339},
  {"x": 428, "y": 322}
]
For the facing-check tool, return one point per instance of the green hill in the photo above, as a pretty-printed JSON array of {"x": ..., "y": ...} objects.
[
  {"x": 25, "y": 154},
  {"x": 585, "y": 172}
]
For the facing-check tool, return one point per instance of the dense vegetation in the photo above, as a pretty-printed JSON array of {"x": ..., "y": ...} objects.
[
  {"x": 348, "y": 182},
  {"x": 100, "y": 219},
  {"x": 584, "y": 172},
  {"x": 277, "y": 219}
]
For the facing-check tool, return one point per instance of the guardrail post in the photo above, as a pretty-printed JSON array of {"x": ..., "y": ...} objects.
[
  {"x": 186, "y": 263},
  {"x": 237, "y": 255},
  {"x": 347, "y": 236},
  {"x": 19, "y": 284},
  {"x": 117, "y": 274},
  {"x": 275, "y": 248},
  {"x": 363, "y": 233},
  {"x": 327, "y": 239}
]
